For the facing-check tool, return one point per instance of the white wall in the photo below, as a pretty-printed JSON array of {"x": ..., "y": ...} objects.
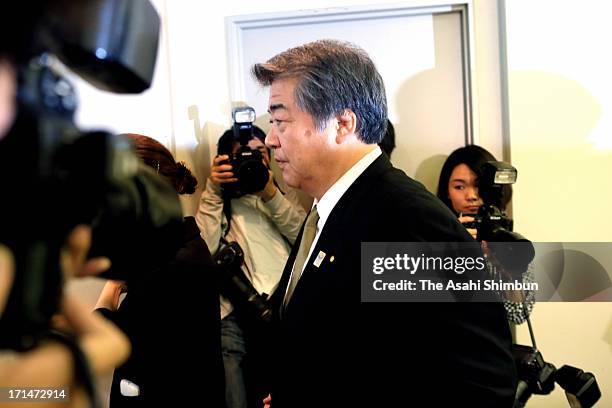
[
  {"x": 199, "y": 79},
  {"x": 560, "y": 94},
  {"x": 188, "y": 105}
]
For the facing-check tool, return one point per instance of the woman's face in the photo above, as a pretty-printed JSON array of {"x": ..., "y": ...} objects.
[{"x": 463, "y": 190}]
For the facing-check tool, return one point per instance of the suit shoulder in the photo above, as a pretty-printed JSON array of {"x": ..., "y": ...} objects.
[
  {"x": 408, "y": 205},
  {"x": 401, "y": 191}
]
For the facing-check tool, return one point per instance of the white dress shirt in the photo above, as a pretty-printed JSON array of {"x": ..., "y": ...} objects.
[{"x": 331, "y": 197}]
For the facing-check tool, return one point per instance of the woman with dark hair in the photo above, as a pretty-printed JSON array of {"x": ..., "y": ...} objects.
[
  {"x": 156, "y": 156},
  {"x": 458, "y": 189},
  {"x": 174, "y": 329}
]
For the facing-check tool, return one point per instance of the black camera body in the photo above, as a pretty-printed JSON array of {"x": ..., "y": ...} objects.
[
  {"x": 236, "y": 286},
  {"x": 248, "y": 168},
  {"x": 67, "y": 177},
  {"x": 536, "y": 376},
  {"x": 247, "y": 164},
  {"x": 492, "y": 223},
  {"x": 513, "y": 251}
]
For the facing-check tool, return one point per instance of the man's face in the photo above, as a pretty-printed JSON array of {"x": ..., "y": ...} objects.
[{"x": 299, "y": 148}]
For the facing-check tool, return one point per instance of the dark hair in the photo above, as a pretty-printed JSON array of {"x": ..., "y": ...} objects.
[
  {"x": 333, "y": 76},
  {"x": 156, "y": 156},
  {"x": 474, "y": 157},
  {"x": 387, "y": 144},
  {"x": 227, "y": 140}
]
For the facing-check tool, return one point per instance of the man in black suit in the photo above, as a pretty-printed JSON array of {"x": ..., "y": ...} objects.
[{"x": 328, "y": 112}]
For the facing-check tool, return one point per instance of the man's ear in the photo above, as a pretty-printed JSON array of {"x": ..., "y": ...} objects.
[{"x": 346, "y": 125}]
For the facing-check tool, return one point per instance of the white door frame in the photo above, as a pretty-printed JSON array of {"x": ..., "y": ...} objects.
[{"x": 236, "y": 25}]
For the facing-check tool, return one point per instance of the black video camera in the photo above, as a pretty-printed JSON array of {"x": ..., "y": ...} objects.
[
  {"x": 54, "y": 176},
  {"x": 536, "y": 376},
  {"x": 236, "y": 286},
  {"x": 247, "y": 164}
]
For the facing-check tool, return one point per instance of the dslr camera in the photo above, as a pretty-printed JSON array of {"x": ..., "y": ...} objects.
[
  {"x": 513, "y": 251},
  {"x": 491, "y": 222},
  {"x": 236, "y": 286},
  {"x": 68, "y": 177},
  {"x": 247, "y": 164}
]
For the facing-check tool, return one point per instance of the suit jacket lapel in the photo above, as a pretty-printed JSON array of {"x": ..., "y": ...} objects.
[{"x": 330, "y": 231}]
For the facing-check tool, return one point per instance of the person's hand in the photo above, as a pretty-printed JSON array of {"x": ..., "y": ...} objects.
[
  {"x": 51, "y": 363},
  {"x": 269, "y": 190},
  {"x": 109, "y": 297},
  {"x": 268, "y": 401},
  {"x": 221, "y": 173},
  {"x": 104, "y": 345},
  {"x": 73, "y": 260},
  {"x": 472, "y": 231},
  {"x": 73, "y": 256}
]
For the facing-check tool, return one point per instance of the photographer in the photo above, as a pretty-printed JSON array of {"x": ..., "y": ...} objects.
[
  {"x": 458, "y": 189},
  {"x": 89, "y": 345},
  {"x": 265, "y": 224}
]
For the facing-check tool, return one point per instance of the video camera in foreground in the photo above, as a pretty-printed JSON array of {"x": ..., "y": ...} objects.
[
  {"x": 55, "y": 176},
  {"x": 247, "y": 164}
]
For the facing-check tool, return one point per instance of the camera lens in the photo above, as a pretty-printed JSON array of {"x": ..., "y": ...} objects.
[{"x": 250, "y": 170}]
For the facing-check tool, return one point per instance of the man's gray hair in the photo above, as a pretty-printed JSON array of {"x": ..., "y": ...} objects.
[{"x": 333, "y": 76}]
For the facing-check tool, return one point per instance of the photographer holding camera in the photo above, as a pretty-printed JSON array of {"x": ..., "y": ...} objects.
[
  {"x": 478, "y": 188},
  {"x": 84, "y": 185},
  {"x": 458, "y": 188},
  {"x": 88, "y": 345},
  {"x": 242, "y": 203}
]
